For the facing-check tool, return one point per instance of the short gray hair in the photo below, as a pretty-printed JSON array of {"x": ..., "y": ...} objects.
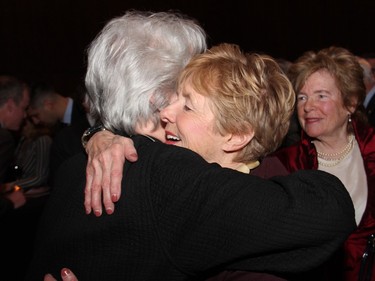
[
  {"x": 11, "y": 88},
  {"x": 137, "y": 58},
  {"x": 368, "y": 77}
]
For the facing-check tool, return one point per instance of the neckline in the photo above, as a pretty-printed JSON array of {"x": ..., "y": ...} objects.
[{"x": 333, "y": 159}]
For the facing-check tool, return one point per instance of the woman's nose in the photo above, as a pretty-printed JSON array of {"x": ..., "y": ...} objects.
[
  {"x": 164, "y": 114},
  {"x": 309, "y": 105}
]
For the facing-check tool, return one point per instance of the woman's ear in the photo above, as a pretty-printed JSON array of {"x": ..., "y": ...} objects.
[
  {"x": 353, "y": 106},
  {"x": 236, "y": 142}
]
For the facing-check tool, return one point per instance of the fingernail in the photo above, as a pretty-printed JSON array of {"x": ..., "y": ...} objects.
[
  {"x": 109, "y": 211},
  {"x": 97, "y": 213},
  {"x": 114, "y": 197},
  {"x": 88, "y": 211},
  {"x": 65, "y": 272}
]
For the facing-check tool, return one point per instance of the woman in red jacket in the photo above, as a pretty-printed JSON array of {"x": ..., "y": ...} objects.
[{"x": 337, "y": 139}]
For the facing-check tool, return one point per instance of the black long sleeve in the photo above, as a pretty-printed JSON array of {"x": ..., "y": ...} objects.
[{"x": 180, "y": 217}]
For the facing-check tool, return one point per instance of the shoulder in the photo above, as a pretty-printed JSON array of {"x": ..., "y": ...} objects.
[
  {"x": 78, "y": 112},
  {"x": 163, "y": 154},
  {"x": 270, "y": 166},
  {"x": 364, "y": 132},
  {"x": 365, "y": 136},
  {"x": 78, "y": 107},
  {"x": 168, "y": 161},
  {"x": 286, "y": 152}
]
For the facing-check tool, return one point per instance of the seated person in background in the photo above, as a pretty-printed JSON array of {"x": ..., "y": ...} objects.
[
  {"x": 67, "y": 143},
  {"x": 370, "y": 57},
  {"x": 17, "y": 213},
  {"x": 50, "y": 108},
  {"x": 67, "y": 117},
  {"x": 336, "y": 138},
  {"x": 31, "y": 163},
  {"x": 14, "y": 99},
  {"x": 369, "y": 80},
  {"x": 182, "y": 218}
]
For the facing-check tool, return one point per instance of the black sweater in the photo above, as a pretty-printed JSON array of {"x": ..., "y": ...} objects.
[{"x": 180, "y": 218}]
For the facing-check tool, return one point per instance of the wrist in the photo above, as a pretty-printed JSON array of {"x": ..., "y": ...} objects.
[{"x": 87, "y": 134}]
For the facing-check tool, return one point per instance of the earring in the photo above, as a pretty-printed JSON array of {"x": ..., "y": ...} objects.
[{"x": 349, "y": 118}]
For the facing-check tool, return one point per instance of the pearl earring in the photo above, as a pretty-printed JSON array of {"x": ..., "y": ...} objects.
[{"x": 349, "y": 118}]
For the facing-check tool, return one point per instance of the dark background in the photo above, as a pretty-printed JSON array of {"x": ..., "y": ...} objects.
[{"x": 46, "y": 40}]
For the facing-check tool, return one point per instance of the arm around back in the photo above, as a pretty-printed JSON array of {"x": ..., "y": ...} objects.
[
  {"x": 184, "y": 217},
  {"x": 289, "y": 223}
]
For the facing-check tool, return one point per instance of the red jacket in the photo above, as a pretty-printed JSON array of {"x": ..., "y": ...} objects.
[{"x": 303, "y": 155}]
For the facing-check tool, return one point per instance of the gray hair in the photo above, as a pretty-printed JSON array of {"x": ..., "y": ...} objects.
[
  {"x": 134, "y": 63},
  {"x": 368, "y": 77},
  {"x": 11, "y": 88}
]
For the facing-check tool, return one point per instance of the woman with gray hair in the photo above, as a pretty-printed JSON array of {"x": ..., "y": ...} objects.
[
  {"x": 181, "y": 218},
  {"x": 147, "y": 59}
]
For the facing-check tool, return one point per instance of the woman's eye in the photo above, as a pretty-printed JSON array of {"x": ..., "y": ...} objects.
[{"x": 187, "y": 108}]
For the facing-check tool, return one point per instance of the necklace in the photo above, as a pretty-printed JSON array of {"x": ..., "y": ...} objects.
[{"x": 332, "y": 159}]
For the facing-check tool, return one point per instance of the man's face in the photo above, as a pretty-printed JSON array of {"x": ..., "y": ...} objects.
[
  {"x": 17, "y": 112},
  {"x": 43, "y": 115}
]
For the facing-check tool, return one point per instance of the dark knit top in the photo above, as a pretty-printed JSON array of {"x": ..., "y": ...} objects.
[{"x": 180, "y": 218}]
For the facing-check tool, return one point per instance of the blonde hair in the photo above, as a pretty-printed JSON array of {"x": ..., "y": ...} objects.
[{"x": 248, "y": 92}]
